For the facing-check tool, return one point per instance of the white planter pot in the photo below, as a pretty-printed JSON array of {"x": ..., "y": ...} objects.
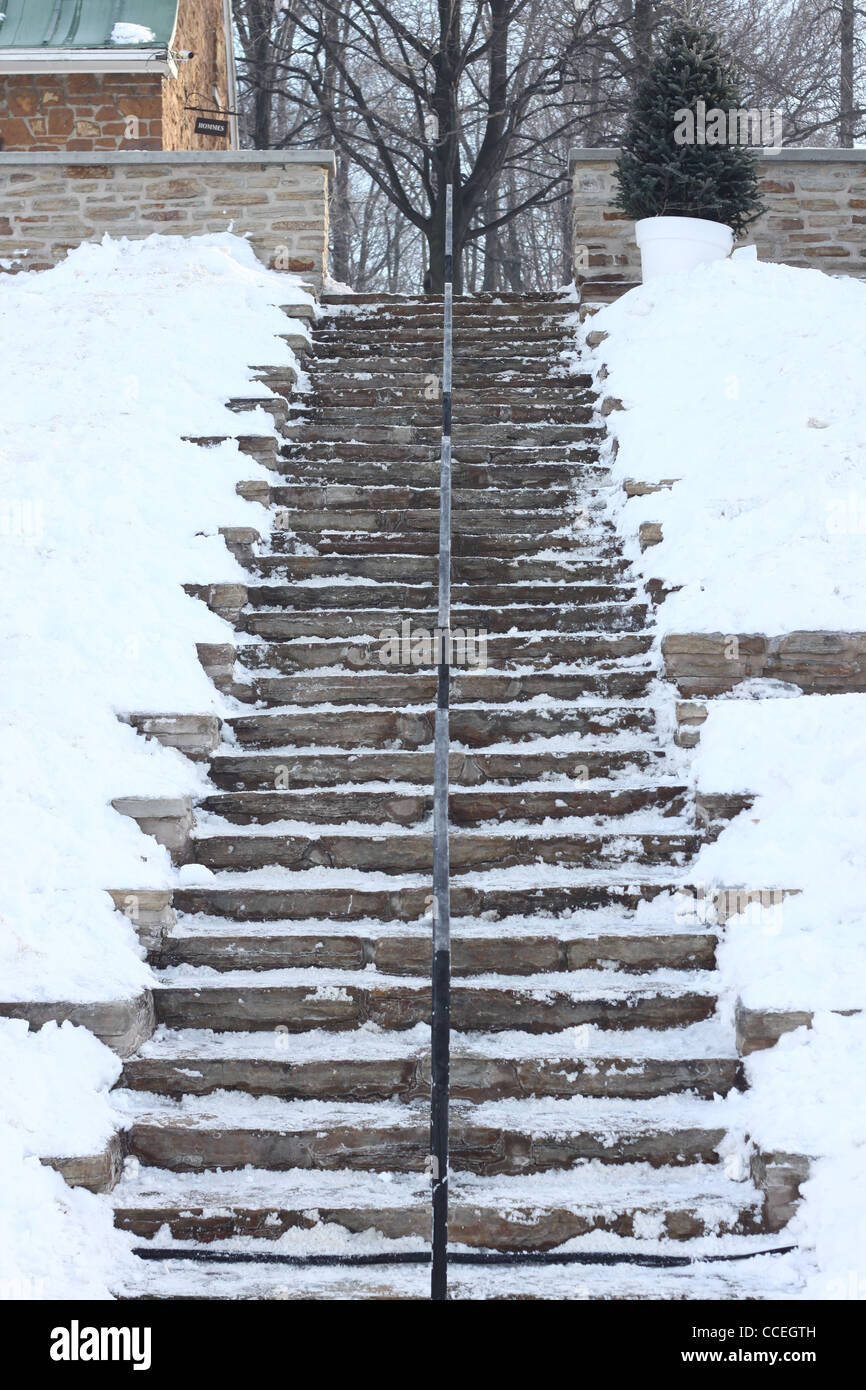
[{"x": 671, "y": 245}]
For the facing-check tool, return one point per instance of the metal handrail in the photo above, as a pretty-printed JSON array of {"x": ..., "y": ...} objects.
[{"x": 440, "y": 1045}]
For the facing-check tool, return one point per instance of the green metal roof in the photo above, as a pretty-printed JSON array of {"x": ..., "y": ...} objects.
[{"x": 58, "y": 24}]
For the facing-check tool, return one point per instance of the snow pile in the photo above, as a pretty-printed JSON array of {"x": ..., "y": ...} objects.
[
  {"x": 804, "y": 758},
  {"x": 806, "y": 1096},
  {"x": 745, "y": 381},
  {"x": 106, "y": 362},
  {"x": 132, "y": 33},
  {"x": 55, "y": 1242}
]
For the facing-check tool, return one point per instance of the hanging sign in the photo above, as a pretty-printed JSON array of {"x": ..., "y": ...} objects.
[{"x": 211, "y": 125}]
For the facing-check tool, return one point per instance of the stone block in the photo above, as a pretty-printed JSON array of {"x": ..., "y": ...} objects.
[{"x": 122, "y": 1024}]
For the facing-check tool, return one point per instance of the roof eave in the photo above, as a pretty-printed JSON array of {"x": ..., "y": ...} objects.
[{"x": 60, "y": 60}]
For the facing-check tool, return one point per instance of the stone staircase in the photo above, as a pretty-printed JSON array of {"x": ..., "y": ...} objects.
[{"x": 281, "y": 1108}]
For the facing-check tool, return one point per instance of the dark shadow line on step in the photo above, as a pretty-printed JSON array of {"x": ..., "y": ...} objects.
[{"x": 481, "y": 1257}]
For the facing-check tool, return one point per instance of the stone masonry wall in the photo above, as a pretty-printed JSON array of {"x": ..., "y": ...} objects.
[
  {"x": 50, "y": 203},
  {"x": 816, "y": 214},
  {"x": 80, "y": 111}
]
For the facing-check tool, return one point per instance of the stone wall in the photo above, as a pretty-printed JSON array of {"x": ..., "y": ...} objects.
[
  {"x": 712, "y": 663},
  {"x": 81, "y": 111},
  {"x": 816, "y": 214},
  {"x": 50, "y": 203}
]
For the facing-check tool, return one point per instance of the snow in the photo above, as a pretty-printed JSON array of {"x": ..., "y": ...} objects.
[
  {"x": 804, "y": 759},
  {"x": 743, "y": 382},
  {"x": 106, "y": 362},
  {"x": 132, "y": 33},
  {"x": 56, "y": 1242}
]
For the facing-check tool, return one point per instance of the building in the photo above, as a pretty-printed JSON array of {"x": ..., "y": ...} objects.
[{"x": 117, "y": 75}]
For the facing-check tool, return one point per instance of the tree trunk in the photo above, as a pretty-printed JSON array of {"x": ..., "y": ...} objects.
[{"x": 846, "y": 75}]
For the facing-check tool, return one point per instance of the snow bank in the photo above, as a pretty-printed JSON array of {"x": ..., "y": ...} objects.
[
  {"x": 55, "y": 1242},
  {"x": 804, "y": 758},
  {"x": 106, "y": 362},
  {"x": 744, "y": 380},
  {"x": 806, "y": 1096}
]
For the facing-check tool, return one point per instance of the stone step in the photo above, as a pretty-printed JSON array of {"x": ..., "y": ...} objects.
[
  {"x": 415, "y": 393},
  {"x": 740, "y": 1280},
  {"x": 243, "y": 901},
  {"x": 413, "y": 569},
  {"x": 596, "y": 542},
  {"x": 482, "y": 371},
  {"x": 411, "y": 852},
  {"x": 498, "y": 435},
  {"x": 512, "y": 329},
  {"x": 281, "y": 626},
  {"x": 528, "y": 1212},
  {"x": 496, "y": 520},
  {"x": 355, "y": 415},
  {"x": 535, "y": 473},
  {"x": 476, "y": 950},
  {"x": 339, "y": 1067},
  {"x": 357, "y": 452},
  {"x": 507, "y": 1137},
  {"x": 393, "y": 497},
  {"x": 266, "y": 771},
  {"x": 573, "y": 593},
  {"x": 382, "y": 686},
  {"x": 478, "y": 806},
  {"x": 397, "y": 729},
  {"x": 502, "y": 652}
]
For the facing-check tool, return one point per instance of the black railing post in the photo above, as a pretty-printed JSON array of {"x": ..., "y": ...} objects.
[{"x": 441, "y": 972}]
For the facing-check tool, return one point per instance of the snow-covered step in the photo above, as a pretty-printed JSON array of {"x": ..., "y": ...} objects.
[
  {"x": 381, "y": 686},
  {"x": 533, "y": 471},
  {"x": 368, "y": 593},
  {"x": 222, "y": 944},
  {"x": 298, "y": 769},
  {"x": 539, "y": 651},
  {"x": 763, "y": 1277},
  {"x": 392, "y": 851},
  {"x": 370, "y": 1063},
  {"x": 529, "y": 802},
  {"x": 251, "y": 897},
  {"x": 295, "y": 1000},
  {"x": 231, "y": 1130},
  {"x": 472, "y": 727},
  {"x": 537, "y": 1211}
]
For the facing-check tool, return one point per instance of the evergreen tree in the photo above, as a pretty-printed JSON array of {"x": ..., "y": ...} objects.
[{"x": 664, "y": 172}]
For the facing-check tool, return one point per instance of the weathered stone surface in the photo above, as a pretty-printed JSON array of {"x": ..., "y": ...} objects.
[
  {"x": 705, "y": 664},
  {"x": 300, "y": 1008},
  {"x": 97, "y": 1172},
  {"x": 779, "y": 1176},
  {"x": 140, "y": 191},
  {"x": 196, "y": 735},
  {"x": 122, "y": 1024},
  {"x": 149, "y": 910},
  {"x": 758, "y": 1029},
  {"x": 169, "y": 819}
]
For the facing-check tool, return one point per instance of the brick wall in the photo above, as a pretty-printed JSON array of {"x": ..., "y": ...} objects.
[
  {"x": 816, "y": 213},
  {"x": 80, "y": 111},
  {"x": 50, "y": 203}
]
